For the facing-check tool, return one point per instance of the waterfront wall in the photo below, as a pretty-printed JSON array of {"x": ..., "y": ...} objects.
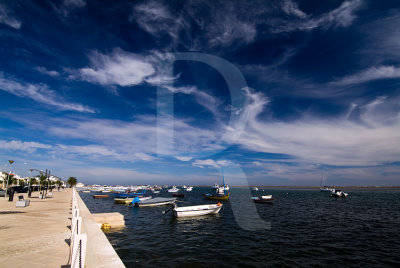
[{"x": 99, "y": 252}]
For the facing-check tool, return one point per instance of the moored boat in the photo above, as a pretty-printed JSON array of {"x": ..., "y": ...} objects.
[
  {"x": 339, "y": 193},
  {"x": 220, "y": 197},
  {"x": 192, "y": 211},
  {"x": 157, "y": 201},
  {"x": 132, "y": 194},
  {"x": 129, "y": 200},
  {"x": 173, "y": 190},
  {"x": 267, "y": 199},
  {"x": 189, "y": 188},
  {"x": 100, "y": 196}
]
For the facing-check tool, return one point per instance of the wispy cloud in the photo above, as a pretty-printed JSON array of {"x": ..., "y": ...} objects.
[
  {"x": 342, "y": 16},
  {"x": 159, "y": 20},
  {"x": 45, "y": 71},
  {"x": 335, "y": 142},
  {"x": 120, "y": 68},
  {"x": 373, "y": 73},
  {"x": 23, "y": 145},
  {"x": 40, "y": 93},
  {"x": 7, "y": 17},
  {"x": 184, "y": 158},
  {"x": 211, "y": 162},
  {"x": 291, "y": 8}
]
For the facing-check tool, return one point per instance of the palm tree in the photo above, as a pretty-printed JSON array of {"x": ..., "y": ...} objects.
[{"x": 72, "y": 181}]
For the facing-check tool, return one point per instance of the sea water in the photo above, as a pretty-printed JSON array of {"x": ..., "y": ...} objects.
[{"x": 308, "y": 228}]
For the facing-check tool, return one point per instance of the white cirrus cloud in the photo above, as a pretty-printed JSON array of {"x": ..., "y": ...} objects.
[
  {"x": 370, "y": 74},
  {"x": 184, "y": 158},
  {"x": 119, "y": 68},
  {"x": 211, "y": 162},
  {"x": 342, "y": 16},
  {"x": 45, "y": 71},
  {"x": 7, "y": 18},
  {"x": 337, "y": 142},
  {"x": 27, "y": 146},
  {"x": 291, "y": 8},
  {"x": 40, "y": 93}
]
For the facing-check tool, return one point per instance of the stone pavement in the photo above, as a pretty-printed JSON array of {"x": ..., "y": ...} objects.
[{"x": 37, "y": 235}]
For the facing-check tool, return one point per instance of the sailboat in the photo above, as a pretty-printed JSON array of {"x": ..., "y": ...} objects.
[
  {"x": 324, "y": 188},
  {"x": 221, "y": 193}
]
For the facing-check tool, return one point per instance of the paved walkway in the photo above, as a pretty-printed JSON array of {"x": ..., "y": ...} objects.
[{"x": 35, "y": 236}]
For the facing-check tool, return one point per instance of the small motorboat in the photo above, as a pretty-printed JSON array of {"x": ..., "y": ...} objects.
[
  {"x": 192, "y": 211},
  {"x": 255, "y": 189},
  {"x": 267, "y": 199},
  {"x": 131, "y": 194},
  {"x": 86, "y": 191},
  {"x": 173, "y": 190},
  {"x": 189, "y": 188},
  {"x": 129, "y": 200},
  {"x": 178, "y": 195},
  {"x": 100, "y": 196},
  {"x": 157, "y": 201},
  {"x": 338, "y": 193}
]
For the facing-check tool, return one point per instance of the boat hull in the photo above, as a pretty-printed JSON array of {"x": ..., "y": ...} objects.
[
  {"x": 194, "y": 211},
  {"x": 100, "y": 196},
  {"x": 264, "y": 201},
  {"x": 216, "y": 197}
]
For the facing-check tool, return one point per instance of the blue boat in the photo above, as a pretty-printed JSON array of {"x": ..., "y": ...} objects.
[{"x": 121, "y": 195}]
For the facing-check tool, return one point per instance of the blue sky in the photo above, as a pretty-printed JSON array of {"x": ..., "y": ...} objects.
[{"x": 167, "y": 92}]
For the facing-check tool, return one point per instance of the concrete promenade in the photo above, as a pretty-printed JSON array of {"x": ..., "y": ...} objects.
[{"x": 36, "y": 236}]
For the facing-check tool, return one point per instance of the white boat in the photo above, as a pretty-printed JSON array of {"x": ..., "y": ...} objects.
[
  {"x": 157, "y": 201},
  {"x": 263, "y": 199},
  {"x": 323, "y": 182},
  {"x": 189, "y": 189},
  {"x": 339, "y": 193},
  {"x": 191, "y": 211},
  {"x": 255, "y": 189},
  {"x": 173, "y": 189},
  {"x": 156, "y": 192}
]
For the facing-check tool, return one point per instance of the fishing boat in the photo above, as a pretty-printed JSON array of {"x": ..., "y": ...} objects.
[
  {"x": 339, "y": 193},
  {"x": 266, "y": 199},
  {"x": 178, "y": 195},
  {"x": 100, "y": 196},
  {"x": 129, "y": 200},
  {"x": 157, "y": 201},
  {"x": 192, "y": 211},
  {"x": 173, "y": 190},
  {"x": 221, "y": 193}
]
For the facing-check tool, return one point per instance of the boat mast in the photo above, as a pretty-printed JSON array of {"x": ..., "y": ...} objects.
[{"x": 223, "y": 180}]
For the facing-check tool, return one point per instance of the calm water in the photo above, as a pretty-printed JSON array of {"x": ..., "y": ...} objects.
[{"x": 308, "y": 228}]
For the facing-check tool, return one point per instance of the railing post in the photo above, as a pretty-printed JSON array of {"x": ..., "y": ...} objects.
[{"x": 79, "y": 251}]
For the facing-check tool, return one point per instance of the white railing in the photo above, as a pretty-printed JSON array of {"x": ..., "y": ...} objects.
[{"x": 78, "y": 241}]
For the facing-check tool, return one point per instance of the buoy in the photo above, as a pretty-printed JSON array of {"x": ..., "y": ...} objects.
[
  {"x": 218, "y": 204},
  {"x": 105, "y": 226}
]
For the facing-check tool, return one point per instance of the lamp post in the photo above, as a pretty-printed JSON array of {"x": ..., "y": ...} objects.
[
  {"x": 41, "y": 173},
  {"x": 8, "y": 178}
]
